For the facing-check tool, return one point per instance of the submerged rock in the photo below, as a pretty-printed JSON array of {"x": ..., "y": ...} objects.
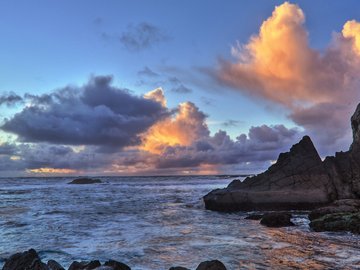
[
  {"x": 211, "y": 265},
  {"x": 277, "y": 220},
  {"x": 85, "y": 180},
  {"x": 299, "y": 180},
  {"x": 28, "y": 260}
]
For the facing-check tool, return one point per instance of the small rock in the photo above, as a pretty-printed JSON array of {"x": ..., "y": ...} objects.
[
  {"x": 277, "y": 220},
  {"x": 84, "y": 265},
  {"x": 28, "y": 260},
  {"x": 211, "y": 265},
  {"x": 54, "y": 265},
  {"x": 179, "y": 268},
  {"x": 254, "y": 217},
  {"x": 117, "y": 265},
  {"x": 85, "y": 180}
]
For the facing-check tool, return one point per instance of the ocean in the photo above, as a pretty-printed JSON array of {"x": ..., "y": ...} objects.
[{"x": 153, "y": 223}]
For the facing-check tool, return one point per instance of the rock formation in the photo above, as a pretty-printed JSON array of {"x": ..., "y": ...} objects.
[
  {"x": 299, "y": 180},
  {"x": 84, "y": 181}
]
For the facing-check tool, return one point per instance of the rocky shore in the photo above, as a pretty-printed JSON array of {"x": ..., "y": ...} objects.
[
  {"x": 300, "y": 180},
  {"x": 30, "y": 260}
]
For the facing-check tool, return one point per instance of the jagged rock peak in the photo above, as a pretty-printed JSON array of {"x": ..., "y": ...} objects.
[{"x": 355, "y": 125}]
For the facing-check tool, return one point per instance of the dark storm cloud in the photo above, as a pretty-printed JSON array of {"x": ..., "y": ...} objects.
[
  {"x": 94, "y": 114},
  {"x": 142, "y": 36},
  {"x": 10, "y": 99},
  {"x": 7, "y": 149}
]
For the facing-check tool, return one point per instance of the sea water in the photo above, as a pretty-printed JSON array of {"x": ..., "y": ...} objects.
[{"x": 153, "y": 223}]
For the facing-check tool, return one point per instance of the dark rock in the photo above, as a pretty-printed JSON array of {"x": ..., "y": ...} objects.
[
  {"x": 117, "y": 265},
  {"x": 277, "y": 220},
  {"x": 299, "y": 180},
  {"x": 28, "y": 260},
  {"x": 179, "y": 268},
  {"x": 84, "y": 180},
  {"x": 54, "y": 265},
  {"x": 337, "y": 222},
  {"x": 211, "y": 265},
  {"x": 254, "y": 217},
  {"x": 84, "y": 265},
  {"x": 340, "y": 206}
]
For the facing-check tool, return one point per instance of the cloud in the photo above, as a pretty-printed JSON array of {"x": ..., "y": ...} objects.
[
  {"x": 146, "y": 71},
  {"x": 278, "y": 65},
  {"x": 94, "y": 114},
  {"x": 231, "y": 123},
  {"x": 262, "y": 144},
  {"x": 156, "y": 95},
  {"x": 181, "y": 89},
  {"x": 176, "y": 140},
  {"x": 142, "y": 36},
  {"x": 10, "y": 99},
  {"x": 182, "y": 129}
]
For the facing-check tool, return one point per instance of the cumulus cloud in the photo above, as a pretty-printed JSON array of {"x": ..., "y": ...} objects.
[
  {"x": 261, "y": 144},
  {"x": 182, "y": 129},
  {"x": 94, "y": 114},
  {"x": 142, "y": 36},
  {"x": 101, "y": 129},
  {"x": 277, "y": 64}
]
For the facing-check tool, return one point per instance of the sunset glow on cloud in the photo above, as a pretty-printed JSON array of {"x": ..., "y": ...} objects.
[
  {"x": 183, "y": 129},
  {"x": 278, "y": 65}
]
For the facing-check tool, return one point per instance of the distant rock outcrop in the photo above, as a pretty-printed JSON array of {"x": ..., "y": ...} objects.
[
  {"x": 299, "y": 180},
  {"x": 84, "y": 181}
]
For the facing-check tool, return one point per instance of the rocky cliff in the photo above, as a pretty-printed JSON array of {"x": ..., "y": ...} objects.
[{"x": 298, "y": 180}]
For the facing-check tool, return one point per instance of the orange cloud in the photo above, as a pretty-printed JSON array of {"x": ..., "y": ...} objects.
[
  {"x": 351, "y": 30},
  {"x": 157, "y": 95},
  {"x": 182, "y": 129},
  {"x": 51, "y": 171},
  {"x": 278, "y": 65}
]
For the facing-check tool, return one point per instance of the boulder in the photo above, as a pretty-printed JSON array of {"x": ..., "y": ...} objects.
[
  {"x": 28, "y": 260},
  {"x": 117, "y": 265},
  {"x": 277, "y": 220},
  {"x": 84, "y": 265},
  {"x": 337, "y": 222},
  {"x": 54, "y": 265},
  {"x": 84, "y": 181},
  {"x": 211, "y": 265},
  {"x": 340, "y": 206},
  {"x": 299, "y": 180}
]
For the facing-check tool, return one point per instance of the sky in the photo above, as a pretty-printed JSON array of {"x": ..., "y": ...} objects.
[{"x": 173, "y": 87}]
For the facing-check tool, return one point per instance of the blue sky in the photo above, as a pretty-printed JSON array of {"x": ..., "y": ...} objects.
[{"x": 47, "y": 45}]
